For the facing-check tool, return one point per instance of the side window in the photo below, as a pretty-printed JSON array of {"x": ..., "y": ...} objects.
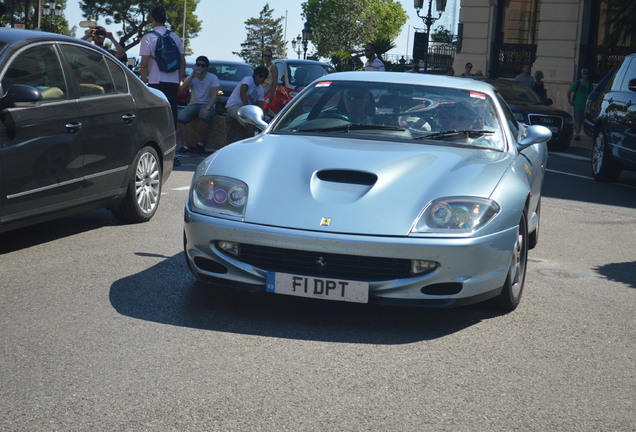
[
  {"x": 281, "y": 72},
  {"x": 119, "y": 77},
  {"x": 510, "y": 118},
  {"x": 90, "y": 70},
  {"x": 38, "y": 67},
  {"x": 630, "y": 74}
]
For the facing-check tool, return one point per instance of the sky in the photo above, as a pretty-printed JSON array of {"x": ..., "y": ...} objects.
[{"x": 223, "y": 24}]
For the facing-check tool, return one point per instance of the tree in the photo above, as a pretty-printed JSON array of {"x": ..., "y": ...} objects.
[
  {"x": 347, "y": 25},
  {"x": 134, "y": 17},
  {"x": 622, "y": 14},
  {"x": 442, "y": 35},
  {"x": 262, "y": 32},
  {"x": 25, "y": 12}
]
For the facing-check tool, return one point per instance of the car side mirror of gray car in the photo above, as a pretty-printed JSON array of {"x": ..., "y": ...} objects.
[
  {"x": 253, "y": 115},
  {"x": 534, "y": 135},
  {"x": 632, "y": 85},
  {"x": 21, "y": 95},
  {"x": 548, "y": 101}
]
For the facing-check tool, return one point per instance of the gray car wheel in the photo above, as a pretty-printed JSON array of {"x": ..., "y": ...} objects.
[
  {"x": 144, "y": 189},
  {"x": 604, "y": 168},
  {"x": 512, "y": 290}
]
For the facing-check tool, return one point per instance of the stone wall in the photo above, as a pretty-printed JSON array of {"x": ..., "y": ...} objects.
[{"x": 221, "y": 131}]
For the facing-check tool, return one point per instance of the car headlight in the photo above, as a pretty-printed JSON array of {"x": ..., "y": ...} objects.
[
  {"x": 220, "y": 195},
  {"x": 458, "y": 215}
]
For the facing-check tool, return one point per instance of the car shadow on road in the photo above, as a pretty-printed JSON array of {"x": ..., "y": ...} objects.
[
  {"x": 619, "y": 272},
  {"x": 174, "y": 297},
  {"x": 45, "y": 232}
]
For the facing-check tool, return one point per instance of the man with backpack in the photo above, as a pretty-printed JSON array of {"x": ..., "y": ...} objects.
[
  {"x": 577, "y": 96},
  {"x": 162, "y": 58}
]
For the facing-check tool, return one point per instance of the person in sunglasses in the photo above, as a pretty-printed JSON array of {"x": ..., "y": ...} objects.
[
  {"x": 99, "y": 35},
  {"x": 204, "y": 89}
]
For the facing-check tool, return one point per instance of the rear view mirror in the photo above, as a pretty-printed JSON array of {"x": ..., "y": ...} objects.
[{"x": 21, "y": 95}]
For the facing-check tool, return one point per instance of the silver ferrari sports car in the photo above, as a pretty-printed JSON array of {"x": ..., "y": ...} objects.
[{"x": 374, "y": 188}]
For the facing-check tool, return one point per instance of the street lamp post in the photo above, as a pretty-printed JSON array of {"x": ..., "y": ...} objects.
[
  {"x": 296, "y": 45},
  {"x": 307, "y": 32},
  {"x": 429, "y": 20},
  {"x": 52, "y": 9}
]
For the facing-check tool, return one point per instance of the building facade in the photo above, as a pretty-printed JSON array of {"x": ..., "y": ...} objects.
[{"x": 558, "y": 37}]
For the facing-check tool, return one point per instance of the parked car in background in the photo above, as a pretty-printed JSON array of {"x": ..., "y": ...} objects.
[
  {"x": 610, "y": 119},
  {"x": 374, "y": 188},
  {"x": 229, "y": 73},
  {"x": 295, "y": 75},
  {"x": 529, "y": 109},
  {"x": 78, "y": 131}
]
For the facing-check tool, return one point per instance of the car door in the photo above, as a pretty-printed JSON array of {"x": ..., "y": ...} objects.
[
  {"x": 108, "y": 117},
  {"x": 625, "y": 98},
  {"x": 40, "y": 156}
]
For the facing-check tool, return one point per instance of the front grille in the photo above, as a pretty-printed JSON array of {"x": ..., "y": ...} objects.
[
  {"x": 554, "y": 123},
  {"x": 328, "y": 265}
]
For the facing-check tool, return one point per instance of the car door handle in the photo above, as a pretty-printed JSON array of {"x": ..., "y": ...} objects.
[
  {"x": 73, "y": 127},
  {"x": 128, "y": 118}
]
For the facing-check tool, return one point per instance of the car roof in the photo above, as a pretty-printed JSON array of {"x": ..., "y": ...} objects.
[
  {"x": 10, "y": 35},
  {"x": 301, "y": 61},
  {"x": 415, "y": 79}
]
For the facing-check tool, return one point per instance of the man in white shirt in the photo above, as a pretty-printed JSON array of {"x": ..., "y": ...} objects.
[
  {"x": 204, "y": 89},
  {"x": 248, "y": 92},
  {"x": 166, "y": 82},
  {"x": 373, "y": 62}
]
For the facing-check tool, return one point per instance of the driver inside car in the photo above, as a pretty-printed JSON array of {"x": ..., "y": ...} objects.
[{"x": 358, "y": 105}]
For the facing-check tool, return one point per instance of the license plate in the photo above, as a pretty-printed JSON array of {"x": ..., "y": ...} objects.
[
  {"x": 554, "y": 129},
  {"x": 316, "y": 287}
]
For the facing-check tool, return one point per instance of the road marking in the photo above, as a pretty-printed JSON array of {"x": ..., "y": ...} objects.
[
  {"x": 589, "y": 178},
  {"x": 182, "y": 188},
  {"x": 571, "y": 156}
]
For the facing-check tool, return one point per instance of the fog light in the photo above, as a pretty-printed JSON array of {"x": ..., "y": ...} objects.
[
  {"x": 422, "y": 266},
  {"x": 232, "y": 248}
]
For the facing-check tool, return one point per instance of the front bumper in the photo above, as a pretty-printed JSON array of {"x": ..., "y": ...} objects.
[{"x": 478, "y": 266}]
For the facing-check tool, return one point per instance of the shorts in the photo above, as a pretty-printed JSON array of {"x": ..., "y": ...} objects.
[
  {"x": 579, "y": 114},
  {"x": 191, "y": 112}
]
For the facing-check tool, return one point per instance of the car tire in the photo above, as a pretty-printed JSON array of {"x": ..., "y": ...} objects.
[
  {"x": 510, "y": 295},
  {"x": 144, "y": 189},
  {"x": 533, "y": 237},
  {"x": 604, "y": 168}
]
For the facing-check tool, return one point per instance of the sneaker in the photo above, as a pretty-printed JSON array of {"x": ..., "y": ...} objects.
[{"x": 184, "y": 150}]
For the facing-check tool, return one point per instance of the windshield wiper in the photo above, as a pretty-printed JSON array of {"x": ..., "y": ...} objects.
[
  {"x": 453, "y": 133},
  {"x": 353, "y": 127}
]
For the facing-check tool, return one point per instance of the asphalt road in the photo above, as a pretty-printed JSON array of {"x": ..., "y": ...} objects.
[{"x": 104, "y": 329}]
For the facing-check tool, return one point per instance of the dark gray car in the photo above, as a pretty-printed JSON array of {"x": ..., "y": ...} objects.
[
  {"x": 78, "y": 131},
  {"x": 610, "y": 119}
]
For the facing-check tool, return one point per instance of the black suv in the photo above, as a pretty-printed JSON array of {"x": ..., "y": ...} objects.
[
  {"x": 529, "y": 109},
  {"x": 610, "y": 119}
]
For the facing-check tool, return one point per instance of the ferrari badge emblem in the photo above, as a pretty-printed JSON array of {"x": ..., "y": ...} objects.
[{"x": 325, "y": 221}]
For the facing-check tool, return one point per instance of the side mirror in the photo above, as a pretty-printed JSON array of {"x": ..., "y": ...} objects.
[
  {"x": 632, "y": 85},
  {"x": 252, "y": 115},
  {"x": 548, "y": 101},
  {"x": 21, "y": 95},
  {"x": 534, "y": 135}
]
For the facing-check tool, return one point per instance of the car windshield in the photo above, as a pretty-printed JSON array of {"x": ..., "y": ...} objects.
[
  {"x": 230, "y": 72},
  {"x": 514, "y": 91},
  {"x": 416, "y": 113},
  {"x": 302, "y": 74}
]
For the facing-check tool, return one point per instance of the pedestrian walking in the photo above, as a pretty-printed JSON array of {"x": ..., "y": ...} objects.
[
  {"x": 577, "y": 95},
  {"x": 159, "y": 58},
  {"x": 373, "y": 63},
  {"x": 539, "y": 86}
]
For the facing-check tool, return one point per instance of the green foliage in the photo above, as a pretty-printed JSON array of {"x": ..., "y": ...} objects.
[
  {"x": 134, "y": 17},
  {"x": 263, "y": 32},
  {"x": 24, "y": 13},
  {"x": 442, "y": 35},
  {"x": 382, "y": 45},
  {"x": 622, "y": 16},
  {"x": 347, "y": 25}
]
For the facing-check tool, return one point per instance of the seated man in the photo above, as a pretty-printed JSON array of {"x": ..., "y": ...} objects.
[
  {"x": 358, "y": 105},
  {"x": 205, "y": 89},
  {"x": 248, "y": 92}
]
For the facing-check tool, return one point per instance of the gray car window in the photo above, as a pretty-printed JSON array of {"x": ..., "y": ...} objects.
[
  {"x": 38, "y": 67},
  {"x": 90, "y": 70}
]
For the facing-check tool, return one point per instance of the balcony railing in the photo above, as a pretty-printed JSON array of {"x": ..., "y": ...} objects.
[
  {"x": 509, "y": 58},
  {"x": 599, "y": 59}
]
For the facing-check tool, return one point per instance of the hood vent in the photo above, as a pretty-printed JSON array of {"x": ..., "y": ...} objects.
[{"x": 348, "y": 176}]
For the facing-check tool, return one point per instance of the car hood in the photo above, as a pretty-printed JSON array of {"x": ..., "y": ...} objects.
[
  {"x": 361, "y": 186},
  {"x": 538, "y": 108}
]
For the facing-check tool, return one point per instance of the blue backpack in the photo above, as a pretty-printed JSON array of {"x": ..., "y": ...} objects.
[{"x": 167, "y": 53}]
